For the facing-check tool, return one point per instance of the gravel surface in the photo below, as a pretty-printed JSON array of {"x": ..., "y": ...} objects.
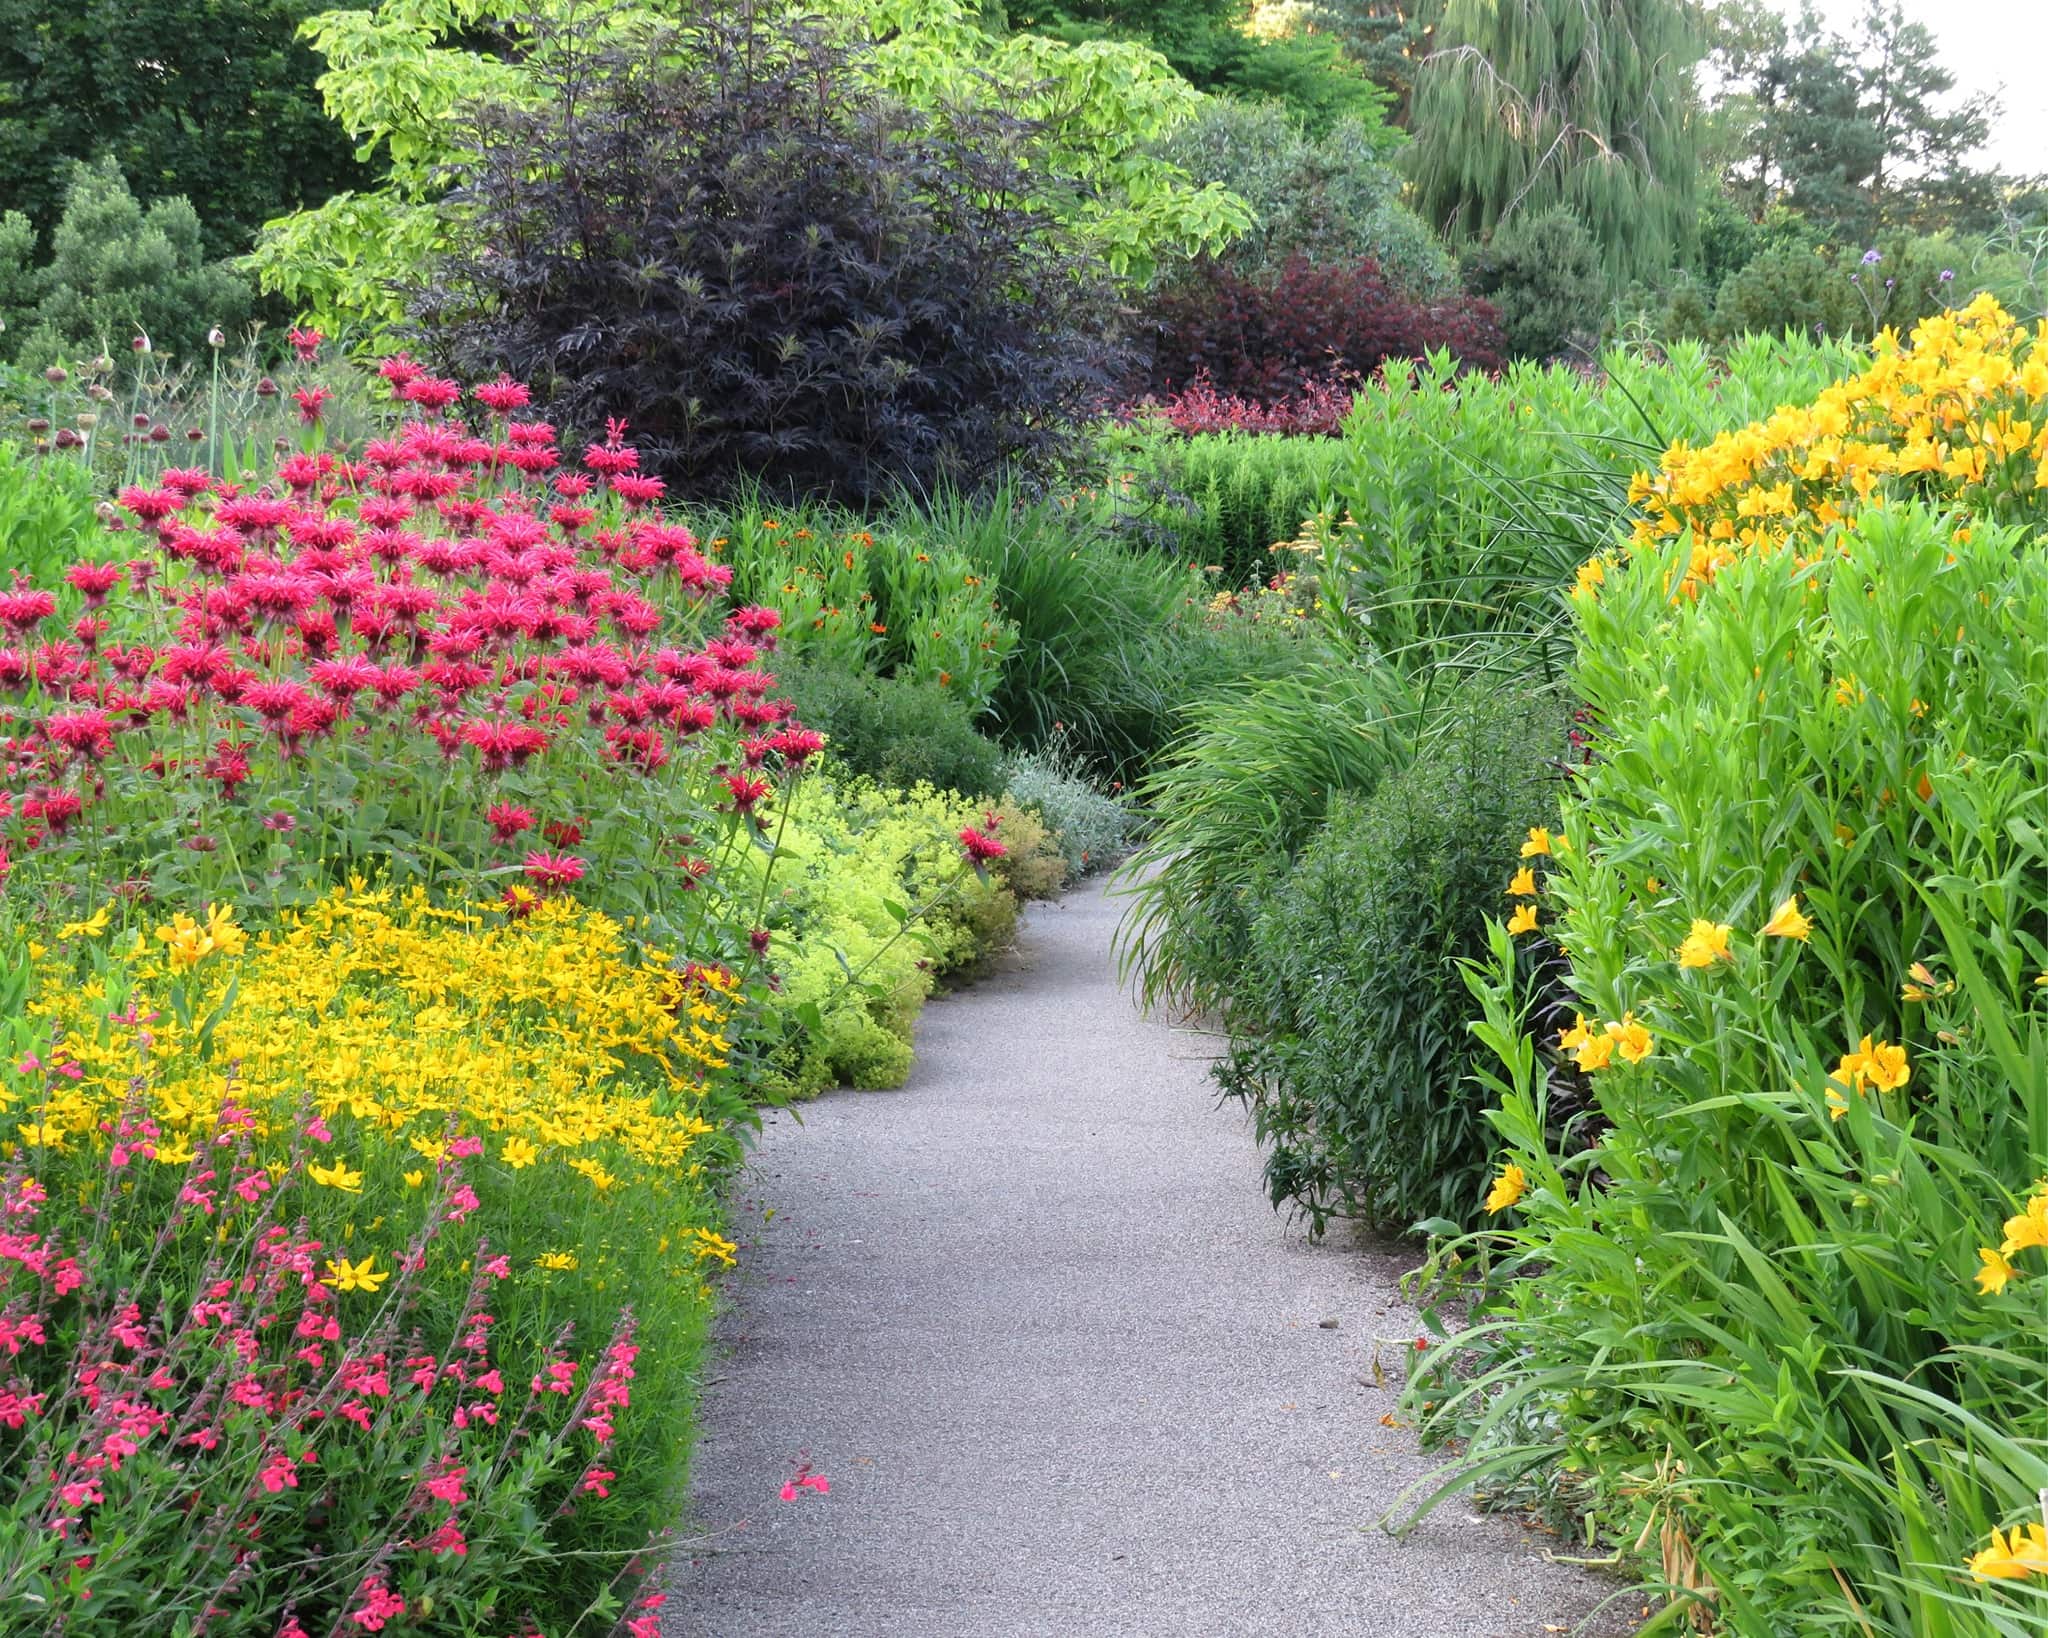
[{"x": 1065, "y": 1369}]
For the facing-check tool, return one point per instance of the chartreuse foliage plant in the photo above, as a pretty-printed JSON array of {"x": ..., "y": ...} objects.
[
  {"x": 395, "y": 76},
  {"x": 1773, "y": 1304},
  {"x": 869, "y": 909}
]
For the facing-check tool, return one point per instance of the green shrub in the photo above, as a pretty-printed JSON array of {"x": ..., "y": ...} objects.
[
  {"x": 117, "y": 271},
  {"x": 1242, "y": 791},
  {"x": 1543, "y": 274},
  {"x": 1033, "y": 865},
  {"x": 1089, "y": 826},
  {"x": 1347, "y": 1020},
  {"x": 896, "y": 730},
  {"x": 1331, "y": 198},
  {"x": 1222, "y": 500},
  {"x": 46, "y": 514}
]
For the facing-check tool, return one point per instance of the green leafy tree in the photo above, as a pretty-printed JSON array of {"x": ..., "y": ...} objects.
[
  {"x": 397, "y": 77},
  {"x": 211, "y": 99},
  {"x": 1215, "y": 46},
  {"x": 1334, "y": 197},
  {"x": 1526, "y": 104},
  {"x": 116, "y": 271}
]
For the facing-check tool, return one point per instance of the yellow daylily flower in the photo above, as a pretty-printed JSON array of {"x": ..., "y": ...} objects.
[
  {"x": 1508, "y": 1187},
  {"x": 1788, "y": 921},
  {"x": 1996, "y": 1274},
  {"x": 1706, "y": 944}
]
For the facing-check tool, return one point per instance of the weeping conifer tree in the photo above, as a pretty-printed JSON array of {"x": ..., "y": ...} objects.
[{"x": 1526, "y": 104}]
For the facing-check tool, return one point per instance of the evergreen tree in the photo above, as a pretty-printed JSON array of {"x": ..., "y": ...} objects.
[
  {"x": 1526, "y": 104},
  {"x": 1860, "y": 134},
  {"x": 1388, "y": 39}
]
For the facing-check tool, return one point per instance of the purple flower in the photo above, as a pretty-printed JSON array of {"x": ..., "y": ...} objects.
[
  {"x": 1947, "y": 275},
  {"x": 1871, "y": 258}
]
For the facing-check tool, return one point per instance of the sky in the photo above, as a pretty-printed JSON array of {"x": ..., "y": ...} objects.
[{"x": 1989, "y": 45}]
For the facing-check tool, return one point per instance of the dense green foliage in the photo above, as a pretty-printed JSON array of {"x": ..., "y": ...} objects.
[
  {"x": 1210, "y": 45},
  {"x": 211, "y": 101},
  {"x": 46, "y": 514},
  {"x": 1332, "y": 197},
  {"x": 115, "y": 272},
  {"x": 1114, "y": 642},
  {"x": 1542, "y": 274},
  {"x": 1222, "y": 500},
  {"x": 1525, "y": 104},
  {"x": 895, "y": 729},
  {"x": 1347, "y": 1017}
]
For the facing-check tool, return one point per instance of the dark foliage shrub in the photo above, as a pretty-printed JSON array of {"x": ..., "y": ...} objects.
[
  {"x": 1348, "y": 1013},
  {"x": 895, "y": 729},
  {"x": 725, "y": 232},
  {"x": 1266, "y": 337},
  {"x": 1543, "y": 276}
]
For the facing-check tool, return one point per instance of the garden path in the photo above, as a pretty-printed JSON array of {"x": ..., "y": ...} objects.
[{"x": 1066, "y": 1371}]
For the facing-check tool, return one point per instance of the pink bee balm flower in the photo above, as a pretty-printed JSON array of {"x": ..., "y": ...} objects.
[
  {"x": 550, "y": 870},
  {"x": 979, "y": 848}
]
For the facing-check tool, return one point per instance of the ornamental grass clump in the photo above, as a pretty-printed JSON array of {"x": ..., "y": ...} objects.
[{"x": 1782, "y": 1312}]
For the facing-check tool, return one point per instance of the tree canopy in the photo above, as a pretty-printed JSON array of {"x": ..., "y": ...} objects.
[
  {"x": 209, "y": 99},
  {"x": 1528, "y": 104},
  {"x": 397, "y": 78},
  {"x": 1859, "y": 133}
]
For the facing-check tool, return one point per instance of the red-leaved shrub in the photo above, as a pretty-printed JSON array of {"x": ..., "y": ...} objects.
[
  {"x": 1270, "y": 338},
  {"x": 1317, "y": 411}
]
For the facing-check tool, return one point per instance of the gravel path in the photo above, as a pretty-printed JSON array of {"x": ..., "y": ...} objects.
[{"x": 1067, "y": 1372}]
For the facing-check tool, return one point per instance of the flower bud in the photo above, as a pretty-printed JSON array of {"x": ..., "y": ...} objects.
[
  {"x": 215, "y": 339},
  {"x": 38, "y": 424},
  {"x": 266, "y": 388},
  {"x": 56, "y": 375},
  {"x": 88, "y": 420},
  {"x": 141, "y": 344}
]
